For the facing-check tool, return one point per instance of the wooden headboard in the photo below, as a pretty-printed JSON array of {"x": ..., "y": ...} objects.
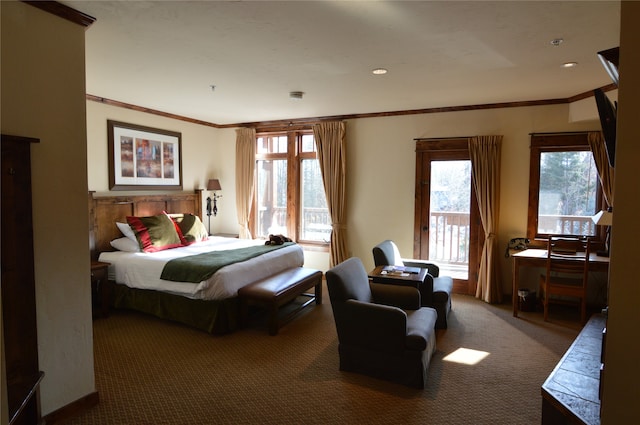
[{"x": 105, "y": 211}]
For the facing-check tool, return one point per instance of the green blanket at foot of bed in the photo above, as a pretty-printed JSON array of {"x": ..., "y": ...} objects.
[{"x": 200, "y": 267}]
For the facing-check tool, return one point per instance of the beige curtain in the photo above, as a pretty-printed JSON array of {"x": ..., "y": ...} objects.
[
  {"x": 605, "y": 171},
  {"x": 485, "y": 168},
  {"x": 245, "y": 169},
  {"x": 331, "y": 145}
]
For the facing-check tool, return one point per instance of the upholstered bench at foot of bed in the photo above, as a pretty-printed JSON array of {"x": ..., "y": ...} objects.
[{"x": 279, "y": 289}]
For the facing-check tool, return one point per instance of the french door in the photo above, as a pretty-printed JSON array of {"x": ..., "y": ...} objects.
[{"x": 447, "y": 221}]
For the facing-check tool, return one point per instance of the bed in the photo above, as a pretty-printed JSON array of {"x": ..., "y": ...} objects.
[{"x": 210, "y": 304}]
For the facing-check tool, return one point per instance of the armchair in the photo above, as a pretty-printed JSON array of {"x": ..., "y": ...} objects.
[
  {"x": 435, "y": 290},
  {"x": 382, "y": 330}
]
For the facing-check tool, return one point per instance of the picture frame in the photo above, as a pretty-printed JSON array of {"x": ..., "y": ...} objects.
[{"x": 143, "y": 158}]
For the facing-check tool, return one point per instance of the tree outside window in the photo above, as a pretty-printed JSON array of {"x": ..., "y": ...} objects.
[
  {"x": 564, "y": 187},
  {"x": 290, "y": 197}
]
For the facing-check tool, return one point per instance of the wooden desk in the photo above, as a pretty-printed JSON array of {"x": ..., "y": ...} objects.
[{"x": 538, "y": 258}]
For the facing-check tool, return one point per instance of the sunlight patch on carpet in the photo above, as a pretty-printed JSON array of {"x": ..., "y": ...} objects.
[{"x": 466, "y": 356}]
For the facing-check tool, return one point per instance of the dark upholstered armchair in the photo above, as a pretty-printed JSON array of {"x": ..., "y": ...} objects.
[
  {"x": 435, "y": 291},
  {"x": 382, "y": 330}
]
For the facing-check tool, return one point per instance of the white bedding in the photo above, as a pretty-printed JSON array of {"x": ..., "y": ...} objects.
[{"x": 142, "y": 270}]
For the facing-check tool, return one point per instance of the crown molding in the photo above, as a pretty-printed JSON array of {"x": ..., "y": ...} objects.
[
  {"x": 63, "y": 11},
  {"x": 306, "y": 122}
]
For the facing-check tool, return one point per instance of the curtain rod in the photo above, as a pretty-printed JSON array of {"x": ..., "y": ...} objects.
[
  {"x": 443, "y": 138},
  {"x": 551, "y": 133}
]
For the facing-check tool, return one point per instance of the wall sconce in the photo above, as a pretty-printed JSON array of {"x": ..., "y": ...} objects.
[
  {"x": 213, "y": 185},
  {"x": 604, "y": 218}
]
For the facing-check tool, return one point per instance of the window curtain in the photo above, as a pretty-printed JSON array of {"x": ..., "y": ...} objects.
[
  {"x": 605, "y": 171},
  {"x": 245, "y": 169},
  {"x": 485, "y": 168},
  {"x": 330, "y": 138}
]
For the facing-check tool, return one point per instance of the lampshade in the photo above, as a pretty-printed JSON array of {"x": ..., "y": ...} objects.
[
  {"x": 603, "y": 218},
  {"x": 214, "y": 184}
]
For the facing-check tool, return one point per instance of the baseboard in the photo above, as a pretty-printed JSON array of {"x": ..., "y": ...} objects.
[{"x": 71, "y": 410}]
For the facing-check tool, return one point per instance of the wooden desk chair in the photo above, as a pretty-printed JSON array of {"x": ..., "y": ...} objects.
[{"x": 567, "y": 272}]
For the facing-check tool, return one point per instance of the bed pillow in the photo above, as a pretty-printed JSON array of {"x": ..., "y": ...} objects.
[
  {"x": 125, "y": 244},
  {"x": 127, "y": 231},
  {"x": 191, "y": 227},
  {"x": 155, "y": 233}
]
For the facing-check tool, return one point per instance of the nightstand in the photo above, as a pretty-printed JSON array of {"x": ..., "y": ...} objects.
[{"x": 100, "y": 287}]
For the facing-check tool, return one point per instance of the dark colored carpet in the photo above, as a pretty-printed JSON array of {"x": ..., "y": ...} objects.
[{"x": 150, "y": 371}]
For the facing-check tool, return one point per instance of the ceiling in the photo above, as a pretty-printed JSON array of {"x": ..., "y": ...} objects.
[{"x": 166, "y": 55}]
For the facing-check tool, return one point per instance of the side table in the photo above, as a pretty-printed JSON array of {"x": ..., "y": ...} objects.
[
  {"x": 100, "y": 285},
  {"x": 416, "y": 280}
]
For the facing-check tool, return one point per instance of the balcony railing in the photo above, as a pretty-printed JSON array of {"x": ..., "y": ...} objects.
[
  {"x": 449, "y": 233},
  {"x": 566, "y": 225},
  {"x": 449, "y": 237},
  {"x": 316, "y": 223}
]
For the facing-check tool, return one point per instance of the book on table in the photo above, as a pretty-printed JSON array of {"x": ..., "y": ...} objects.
[{"x": 401, "y": 269}]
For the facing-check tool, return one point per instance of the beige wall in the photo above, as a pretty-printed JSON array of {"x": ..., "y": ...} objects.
[
  {"x": 42, "y": 96},
  {"x": 207, "y": 152},
  {"x": 203, "y": 156},
  {"x": 621, "y": 378},
  {"x": 380, "y": 166},
  {"x": 381, "y": 170},
  {"x": 43, "y": 87}
]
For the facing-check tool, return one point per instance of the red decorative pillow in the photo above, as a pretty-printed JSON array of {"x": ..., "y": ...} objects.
[{"x": 155, "y": 233}]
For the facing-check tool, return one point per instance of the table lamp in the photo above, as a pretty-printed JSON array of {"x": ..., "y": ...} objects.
[{"x": 604, "y": 218}]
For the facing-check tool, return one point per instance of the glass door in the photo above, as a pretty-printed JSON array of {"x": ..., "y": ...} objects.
[{"x": 447, "y": 218}]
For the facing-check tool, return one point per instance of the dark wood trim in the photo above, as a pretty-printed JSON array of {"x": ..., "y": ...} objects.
[
  {"x": 63, "y": 11},
  {"x": 588, "y": 94},
  {"x": 452, "y": 144},
  {"x": 561, "y": 133},
  {"x": 73, "y": 409},
  {"x": 293, "y": 156},
  {"x": 19, "y": 139},
  {"x": 442, "y": 149},
  {"x": 553, "y": 142},
  {"x": 152, "y": 111},
  {"x": 302, "y": 121},
  {"x": 305, "y": 123}
]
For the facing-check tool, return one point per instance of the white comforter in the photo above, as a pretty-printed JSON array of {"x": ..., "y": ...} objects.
[{"x": 142, "y": 270}]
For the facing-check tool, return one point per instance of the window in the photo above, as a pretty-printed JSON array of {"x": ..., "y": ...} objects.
[
  {"x": 564, "y": 190},
  {"x": 290, "y": 198}
]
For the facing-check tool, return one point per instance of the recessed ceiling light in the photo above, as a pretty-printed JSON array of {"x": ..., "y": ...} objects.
[
  {"x": 379, "y": 71},
  {"x": 569, "y": 65},
  {"x": 556, "y": 41},
  {"x": 296, "y": 95}
]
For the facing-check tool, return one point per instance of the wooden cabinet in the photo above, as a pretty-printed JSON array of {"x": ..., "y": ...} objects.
[{"x": 18, "y": 282}]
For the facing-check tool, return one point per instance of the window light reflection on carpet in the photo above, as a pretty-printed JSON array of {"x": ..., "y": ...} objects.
[{"x": 466, "y": 356}]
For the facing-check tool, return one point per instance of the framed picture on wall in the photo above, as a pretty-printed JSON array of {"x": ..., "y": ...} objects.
[{"x": 143, "y": 158}]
